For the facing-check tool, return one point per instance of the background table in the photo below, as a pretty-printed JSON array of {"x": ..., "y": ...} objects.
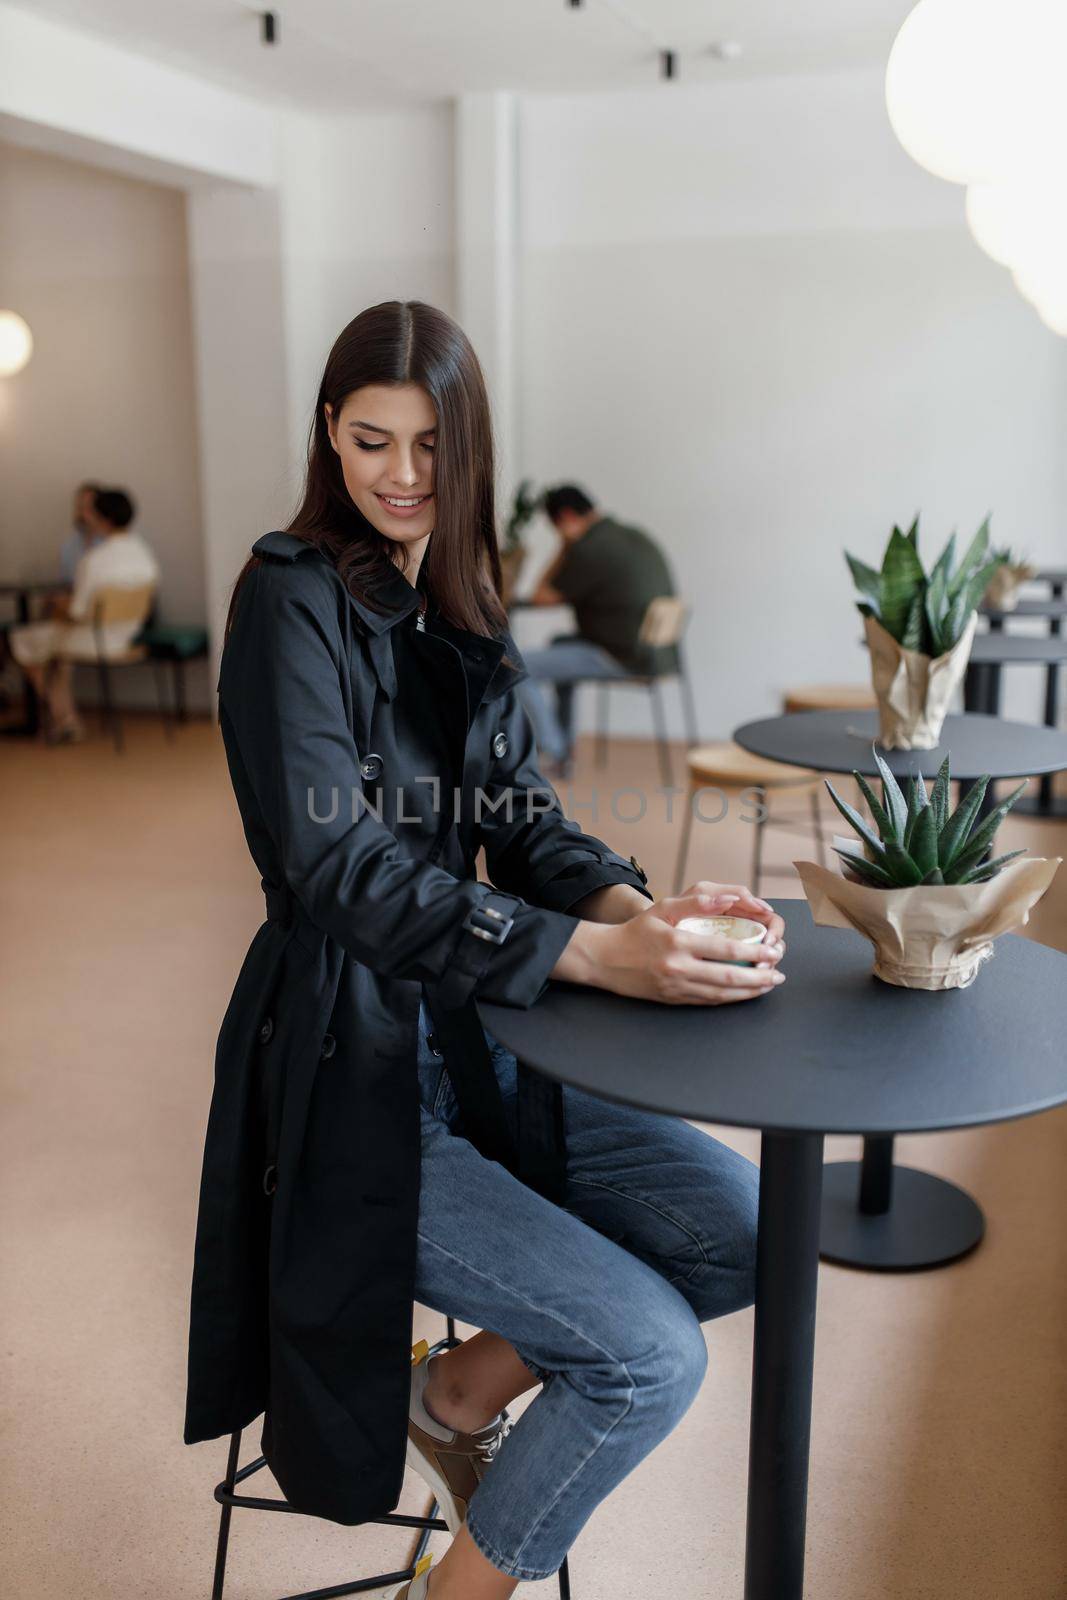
[
  {"x": 982, "y": 686},
  {"x": 1052, "y": 609},
  {"x": 877, "y": 1215},
  {"x": 21, "y": 591},
  {"x": 833, "y": 1051}
]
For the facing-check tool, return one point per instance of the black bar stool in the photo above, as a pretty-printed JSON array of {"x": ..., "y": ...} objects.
[{"x": 225, "y": 1494}]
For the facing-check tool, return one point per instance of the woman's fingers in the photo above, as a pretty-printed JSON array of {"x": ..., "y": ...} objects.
[{"x": 716, "y": 947}]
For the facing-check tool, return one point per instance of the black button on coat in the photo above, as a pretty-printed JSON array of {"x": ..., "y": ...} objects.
[{"x": 305, "y": 1246}]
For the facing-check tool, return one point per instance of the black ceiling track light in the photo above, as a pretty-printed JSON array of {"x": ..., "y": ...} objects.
[
  {"x": 269, "y": 26},
  {"x": 667, "y": 62}
]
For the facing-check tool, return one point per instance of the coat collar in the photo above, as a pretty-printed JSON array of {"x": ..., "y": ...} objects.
[
  {"x": 482, "y": 657},
  {"x": 396, "y": 592}
]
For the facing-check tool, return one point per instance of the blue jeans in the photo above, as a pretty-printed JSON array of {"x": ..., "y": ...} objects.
[
  {"x": 563, "y": 663},
  {"x": 602, "y": 1297}
]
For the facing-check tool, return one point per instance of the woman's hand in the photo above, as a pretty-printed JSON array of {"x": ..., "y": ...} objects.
[
  {"x": 651, "y": 958},
  {"x": 743, "y": 903}
]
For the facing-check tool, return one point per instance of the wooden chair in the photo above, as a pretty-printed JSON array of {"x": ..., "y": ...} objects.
[
  {"x": 112, "y": 605},
  {"x": 662, "y": 627},
  {"x": 727, "y": 766},
  {"x": 830, "y": 697}
]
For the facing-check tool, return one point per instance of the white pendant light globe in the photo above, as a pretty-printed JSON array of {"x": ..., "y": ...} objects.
[
  {"x": 943, "y": 87},
  {"x": 16, "y": 343},
  {"x": 991, "y": 217},
  {"x": 1054, "y": 317}
]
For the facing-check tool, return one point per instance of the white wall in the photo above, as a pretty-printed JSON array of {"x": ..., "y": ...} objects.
[
  {"x": 96, "y": 263},
  {"x": 751, "y": 324},
  {"x": 367, "y": 209}
]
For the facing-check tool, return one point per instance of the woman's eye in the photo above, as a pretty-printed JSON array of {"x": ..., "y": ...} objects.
[{"x": 363, "y": 445}]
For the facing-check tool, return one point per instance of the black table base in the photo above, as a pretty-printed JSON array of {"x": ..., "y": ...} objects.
[
  {"x": 929, "y": 1223},
  {"x": 1053, "y": 807},
  {"x": 783, "y": 1356}
]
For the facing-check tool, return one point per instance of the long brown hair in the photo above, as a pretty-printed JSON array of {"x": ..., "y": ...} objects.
[{"x": 409, "y": 342}]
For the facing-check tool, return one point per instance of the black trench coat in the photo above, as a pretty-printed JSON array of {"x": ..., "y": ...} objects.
[{"x": 304, "y": 1261}]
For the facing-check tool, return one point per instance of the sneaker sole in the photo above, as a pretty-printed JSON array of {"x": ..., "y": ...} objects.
[{"x": 438, "y": 1486}]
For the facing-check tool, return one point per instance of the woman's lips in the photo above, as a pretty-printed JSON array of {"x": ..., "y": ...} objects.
[{"x": 403, "y": 511}]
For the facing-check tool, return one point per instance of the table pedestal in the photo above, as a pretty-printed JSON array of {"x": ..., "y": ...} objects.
[
  {"x": 787, "y": 1270},
  {"x": 894, "y": 1219}
]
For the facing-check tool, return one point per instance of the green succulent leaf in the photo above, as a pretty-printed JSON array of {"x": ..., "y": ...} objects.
[
  {"x": 939, "y": 797},
  {"x": 936, "y": 611},
  {"x": 973, "y": 557},
  {"x": 901, "y": 583},
  {"x": 955, "y": 622},
  {"x": 900, "y": 863},
  {"x": 863, "y": 828},
  {"x": 913, "y": 532},
  {"x": 883, "y": 820},
  {"x": 954, "y": 834},
  {"x": 914, "y": 635},
  {"x": 935, "y": 879},
  {"x": 892, "y": 799},
  {"x": 943, "y": 564},
  {"x": 976, "y": 847},
  {"x": 866, "y": 580},
  {"x": 923, "y": 845},
  {"x": 869, "y": 871},
  {"x": 989, "y": 869}
]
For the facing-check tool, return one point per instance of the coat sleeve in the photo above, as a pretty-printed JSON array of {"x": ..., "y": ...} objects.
[
  {"x": 531, "y": 848},
  {"x": 280, "y": 692}
]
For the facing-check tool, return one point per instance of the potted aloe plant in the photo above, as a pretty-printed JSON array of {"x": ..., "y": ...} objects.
[
  {"x": 919, "y": 630},
  {"x": 524, "y": 508},
  {"x": 1015, "y": 569},
  {"x": 921, "y": 883}
]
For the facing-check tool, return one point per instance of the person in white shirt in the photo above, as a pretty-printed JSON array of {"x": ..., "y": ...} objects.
[
  {"x": 118, "y": 559},
  {"x": 79, "y": 540}
]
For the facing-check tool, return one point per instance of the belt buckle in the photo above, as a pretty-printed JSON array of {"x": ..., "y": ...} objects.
[{"x": 498, "y": 928}]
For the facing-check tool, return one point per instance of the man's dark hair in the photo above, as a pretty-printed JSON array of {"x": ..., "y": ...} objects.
[
  {"x": 115, "y": 506},
  {"x": 565, "y": 497}
]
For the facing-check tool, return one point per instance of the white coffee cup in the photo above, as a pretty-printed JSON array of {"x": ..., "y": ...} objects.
[{"x": 743, "y": 930}]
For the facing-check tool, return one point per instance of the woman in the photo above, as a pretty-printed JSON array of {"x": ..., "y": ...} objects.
[{"x": 368, "y": 1145}]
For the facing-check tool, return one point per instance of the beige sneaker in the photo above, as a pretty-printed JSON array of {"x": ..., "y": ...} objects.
[
  {"x": 452, "y": 1464},
  {"x": 417, "y": 1588}
]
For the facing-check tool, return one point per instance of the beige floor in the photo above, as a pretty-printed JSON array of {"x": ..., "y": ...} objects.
[{"x": 939, "y": 1461}]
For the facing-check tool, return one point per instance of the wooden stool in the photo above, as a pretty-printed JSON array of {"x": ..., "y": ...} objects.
[
  {"x": 727, "y": 766},
  {"x": 830, "y": 697}
]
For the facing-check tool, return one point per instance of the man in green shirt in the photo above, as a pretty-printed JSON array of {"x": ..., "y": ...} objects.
[{"x": 608, "y": 572}]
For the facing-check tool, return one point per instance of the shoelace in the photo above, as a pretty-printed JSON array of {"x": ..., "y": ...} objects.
[{"x": 492, "y": 1437}]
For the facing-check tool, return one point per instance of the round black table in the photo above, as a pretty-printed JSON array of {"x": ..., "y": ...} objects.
[
  {"x": 833, "y": 1051},
  {"x": 877, "y": 1215}
]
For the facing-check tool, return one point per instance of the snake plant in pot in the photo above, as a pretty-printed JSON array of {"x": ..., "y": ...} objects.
[
  {"x": 524, "y": 508},
  {"x": 919, "y": 630},
  {"x": 1002, "y": 593},
  {"x": 920, "y": 880}
]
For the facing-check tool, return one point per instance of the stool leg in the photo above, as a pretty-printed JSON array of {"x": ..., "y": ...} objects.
[
  {"x": 564, "y": 1577},
  {"x": 601, "y": 723},
  {"x": 816, "y": 823},
  {"x": 666, "y": 772},
  {"x": 224, "y": 1520},
  {"x": 689, "y": 710},
  {"x": 683, "y": 846},
  {"x": 757, "y": 848}
]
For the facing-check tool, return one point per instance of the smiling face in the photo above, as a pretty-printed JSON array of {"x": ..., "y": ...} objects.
[{"x": 384, "y": 435}]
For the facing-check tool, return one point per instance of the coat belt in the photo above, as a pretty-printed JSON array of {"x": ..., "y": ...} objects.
[{"x": 280, "y": 900}]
